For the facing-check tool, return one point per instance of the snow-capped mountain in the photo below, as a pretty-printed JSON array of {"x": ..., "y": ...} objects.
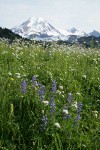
[
  {"x": 73, "y": 32},
  {"x": 37, "y": 28},
  {"x": 94, "y": 33},
  {"x": 40, "y": 29}
]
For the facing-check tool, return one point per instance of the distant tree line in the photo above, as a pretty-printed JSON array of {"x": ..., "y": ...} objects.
[{"x": 8, "y": 34}]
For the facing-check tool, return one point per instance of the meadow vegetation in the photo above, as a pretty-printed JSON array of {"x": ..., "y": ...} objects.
[{"x": 49, "y": 97}]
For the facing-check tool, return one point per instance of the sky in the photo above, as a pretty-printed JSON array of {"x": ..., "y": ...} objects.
[{"x": 81, "y": 14}]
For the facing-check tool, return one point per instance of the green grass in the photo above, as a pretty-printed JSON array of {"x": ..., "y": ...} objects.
[{"x": 75, "y": 70}]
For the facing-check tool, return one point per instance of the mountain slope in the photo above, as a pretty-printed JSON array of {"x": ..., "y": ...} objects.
[
  {"x": 10, "y": 36},
  {"x": 75, "y": 31},
  {"x": 6, "y": 33},
  {"x": 94, "y": 33},
  {"x": 36, "y": 28}
]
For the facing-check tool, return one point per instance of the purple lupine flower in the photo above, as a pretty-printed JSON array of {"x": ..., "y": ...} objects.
[
  {"x": 42, "y": 92},
  {"x": 44, "y": 122},
  {"x": 54, "y": 86},
  {"x": 78, "y": 117},
  {"x": 69, "y": 98},
  {"x": 23, "y": 86},
  {"x": 34, "y": 82},
  {"x": 52, "y": 105},
  {"x": 79, "y": 107}
]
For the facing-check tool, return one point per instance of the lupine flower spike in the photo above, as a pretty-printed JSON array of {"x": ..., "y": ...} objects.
[
  {"x": 78, "y": 117},
  {"x": 54, "y": 88},
  {"x": 44, "y": 122},
  {"x": 79, "y": 107},
  {"x": 52, "y": 105},
  {"x": 42, "y": 92},
  {"x": 34, "y": 82},
  {"x": 70, "y": 98},
  {"x": 23, "y": 86}
]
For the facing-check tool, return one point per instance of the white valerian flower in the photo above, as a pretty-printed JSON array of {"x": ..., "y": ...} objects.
[
  {"x": 57, "y": 125},
  {"x": 75, "y": 104},
  {"x": 78, "y": 93},
  {"x": 9, "y": 73},
  {"x": 18, "y": 75},
  {"x": 33, "y": 143},
  {"x": 63, "y": 96},
  {"x": 65, "y": 111},
  {"x": 95, "y": 113},
  {"x": 22, "y": 67},
  {"x": 13, "y": 54},
  {"x": 24, "y": 75},
  {"x": 61, "y": 87},
  {"x": 42, "y": 111},
  {"x": 62, "y": 92},
  {"x": 58, "y": 92},
  {"x": 45, "y": 102},
  {"x": 4, "y": 52},
  {"x": 84, "y": 76}
]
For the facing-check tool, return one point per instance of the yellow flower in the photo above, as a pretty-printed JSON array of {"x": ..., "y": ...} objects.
[{"x": 12, "y": 79}]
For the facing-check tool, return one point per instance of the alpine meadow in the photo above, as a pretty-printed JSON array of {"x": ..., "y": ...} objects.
[{"x": 49, "y": 96}]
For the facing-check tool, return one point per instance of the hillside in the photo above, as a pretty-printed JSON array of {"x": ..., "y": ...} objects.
[{"x": 8, "y": 34}]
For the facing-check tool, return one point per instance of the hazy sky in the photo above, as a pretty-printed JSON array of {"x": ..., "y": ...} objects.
[{"x": 82, "y": 14}]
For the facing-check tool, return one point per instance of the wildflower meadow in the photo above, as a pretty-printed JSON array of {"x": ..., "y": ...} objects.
[{"x": 49, "y": 97}]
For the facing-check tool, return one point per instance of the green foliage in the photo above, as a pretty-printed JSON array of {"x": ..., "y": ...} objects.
[{"x": 75, "y": 70}]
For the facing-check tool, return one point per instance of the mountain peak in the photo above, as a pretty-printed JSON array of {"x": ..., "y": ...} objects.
[
  {"x": 72, "y": 30},
  {"x": 33, "y": 21},
  {"x": 94, "y": 33},
  {"x": 38, "y": 19},
  {"x": 36, "y": 27}
]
